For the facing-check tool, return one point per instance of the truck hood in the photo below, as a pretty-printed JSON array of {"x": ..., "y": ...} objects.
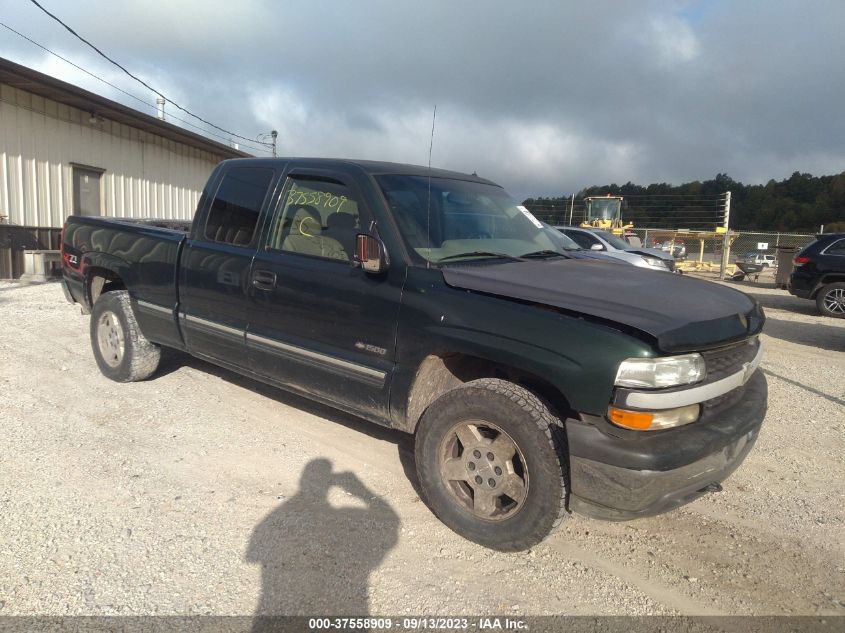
[{"x": 681, "y": 313}]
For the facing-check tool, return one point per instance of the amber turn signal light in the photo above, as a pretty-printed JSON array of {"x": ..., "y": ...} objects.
[
  {"x": 653, "y": 420},
  {"x": 639, "y": 420}
]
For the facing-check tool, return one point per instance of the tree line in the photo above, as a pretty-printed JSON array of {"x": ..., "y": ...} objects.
[{"x": 798, "y": 204}]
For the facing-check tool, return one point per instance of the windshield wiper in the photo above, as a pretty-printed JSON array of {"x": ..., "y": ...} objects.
[
  {"x": 480, "y": 254},
  {"x": 544, "y": 253}
]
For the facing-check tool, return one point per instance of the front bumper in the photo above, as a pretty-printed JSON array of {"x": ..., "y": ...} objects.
[{"x": 619, "y": 478}]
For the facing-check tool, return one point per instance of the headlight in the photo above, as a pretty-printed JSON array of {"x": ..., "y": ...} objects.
[
  {"x": 655, "y": 261},
  {"x": 665, "y": 371}
]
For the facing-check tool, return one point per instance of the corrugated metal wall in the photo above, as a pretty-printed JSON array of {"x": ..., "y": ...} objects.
[{"x": 145, "y": 175}]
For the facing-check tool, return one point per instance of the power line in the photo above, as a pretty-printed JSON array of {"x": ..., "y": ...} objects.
[
  {"x": 664, "y": 195},
  {"x": 128, "y": 94},
  {"x": 138, "y": 79},
  {"x": 720, "y": 196}
]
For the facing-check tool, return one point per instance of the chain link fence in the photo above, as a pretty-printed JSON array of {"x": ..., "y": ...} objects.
[
  {"x": 669, "y": 211},
  {"x": 704, "y": 251},
  {"x": 692, "y": 228}
]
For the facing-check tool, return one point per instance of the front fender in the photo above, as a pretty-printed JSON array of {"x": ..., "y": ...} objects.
[{"x": 577, "y": 356}]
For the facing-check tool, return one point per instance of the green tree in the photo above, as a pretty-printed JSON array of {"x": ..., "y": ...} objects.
[{"x": 800, "y": 203}]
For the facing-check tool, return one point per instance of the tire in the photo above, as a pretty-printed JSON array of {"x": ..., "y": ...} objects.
[
  {"x": 121, "y": 351},
  {"x": 830, "y": 300},
  {"x": 455, "y": 439}
]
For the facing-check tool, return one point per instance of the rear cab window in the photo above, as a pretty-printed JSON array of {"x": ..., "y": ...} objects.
[{"x": 234, "y": 211}]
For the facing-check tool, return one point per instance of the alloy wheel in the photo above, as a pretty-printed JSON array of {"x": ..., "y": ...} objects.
[
  {"x": 834, "y": 300},
  {"x": 110, "y": 338},
  {"x": 484, "y": 469}
]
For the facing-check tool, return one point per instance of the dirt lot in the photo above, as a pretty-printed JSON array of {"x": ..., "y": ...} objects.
[{"x": 200, "y": 492}]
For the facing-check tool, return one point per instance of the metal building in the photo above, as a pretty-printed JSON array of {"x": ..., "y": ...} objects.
[{"x": 64, "y": 150}]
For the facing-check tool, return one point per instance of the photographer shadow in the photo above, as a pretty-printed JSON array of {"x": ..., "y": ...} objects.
[{"x": 316, "y": 558}]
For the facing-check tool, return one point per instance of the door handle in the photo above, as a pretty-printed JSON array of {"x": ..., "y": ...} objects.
[{"x": 264, "y": 279}]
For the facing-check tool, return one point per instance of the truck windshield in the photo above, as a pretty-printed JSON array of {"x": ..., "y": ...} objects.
[{"x": 449, "y": 220}]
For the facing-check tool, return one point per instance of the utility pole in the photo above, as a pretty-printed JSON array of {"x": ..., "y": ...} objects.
[
  {"x": 571, "y": 207},
  {"x": 726, "y": 243},
  {"x": 262, "y": 140}
]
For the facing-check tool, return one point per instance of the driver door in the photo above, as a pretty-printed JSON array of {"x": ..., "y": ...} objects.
[{"x": 319, "y": 324}]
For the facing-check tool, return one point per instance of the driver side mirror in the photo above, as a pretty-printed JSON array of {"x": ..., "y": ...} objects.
[
  {"x": 370, "y": 254},
  {"x": 597, "y": 247}
]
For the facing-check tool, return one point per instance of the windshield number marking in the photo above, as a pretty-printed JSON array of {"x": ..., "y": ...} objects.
[{"x": 317, "y": 198}]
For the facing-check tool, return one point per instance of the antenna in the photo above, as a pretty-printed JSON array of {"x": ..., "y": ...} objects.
[{"x": 428, "y": 213}]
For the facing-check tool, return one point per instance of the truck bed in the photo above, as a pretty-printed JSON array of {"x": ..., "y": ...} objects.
[
  {"x": 143, "y": 254},
  {"x": 182, "y": 226}
]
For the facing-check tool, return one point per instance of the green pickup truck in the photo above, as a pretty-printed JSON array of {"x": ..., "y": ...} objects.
[{"x": 537, "y": 379}]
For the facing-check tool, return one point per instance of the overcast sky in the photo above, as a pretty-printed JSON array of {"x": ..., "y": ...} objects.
[{"x": 545, "y": 97}]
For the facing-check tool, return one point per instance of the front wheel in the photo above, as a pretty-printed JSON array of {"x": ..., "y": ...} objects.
[
  {"x": 490, "y": 461},
  {"x": 122, "y": 352},
  {"x": 830, "y": 300}
]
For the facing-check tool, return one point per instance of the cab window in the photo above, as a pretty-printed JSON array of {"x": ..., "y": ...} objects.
[
  {"x": 317, "y": 218},
  {"x": 234, "y": 211}
]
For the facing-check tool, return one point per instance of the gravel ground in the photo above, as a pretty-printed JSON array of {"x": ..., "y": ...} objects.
[{"x": 199, "y": 492}]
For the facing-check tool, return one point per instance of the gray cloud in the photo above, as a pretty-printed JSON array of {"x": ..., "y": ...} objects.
[{"x": 542, "y": 97}]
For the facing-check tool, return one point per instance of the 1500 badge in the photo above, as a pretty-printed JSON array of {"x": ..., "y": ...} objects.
[{"x": 370, "y": 348}]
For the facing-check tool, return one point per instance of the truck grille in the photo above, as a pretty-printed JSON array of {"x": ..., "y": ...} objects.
[
  {"x": 729, "y": 360},
  {"x": 723, "y": 402}
]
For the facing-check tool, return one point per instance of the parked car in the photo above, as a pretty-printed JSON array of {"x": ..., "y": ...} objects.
[
  {"x": 678, "y": 248},
  {"x": 574, "y": 250},
  {"x": 819, "y": 274},
  {"x": 762, "y": 259},
  {"x": 535, "y": 381},
  {"x": 617, "y": 248},
  {"x": 633, "y": 239}
]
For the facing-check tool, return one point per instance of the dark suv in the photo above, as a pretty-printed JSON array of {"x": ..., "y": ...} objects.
[{"x": 820, "y": 274}]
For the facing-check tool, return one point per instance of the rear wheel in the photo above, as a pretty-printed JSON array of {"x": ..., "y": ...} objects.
[
  {"x": 490, "y": 463},
  {"x": 830, "y": 300},
  {"x": 122, "y": 352}
]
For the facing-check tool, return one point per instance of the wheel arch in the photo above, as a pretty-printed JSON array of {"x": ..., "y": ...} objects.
[
  {"x": 103, "y": 273},
  {"x": 830, "y": 278},
  {"x": 444, "y": 371},
  {"x": 99, "y": 280}
]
